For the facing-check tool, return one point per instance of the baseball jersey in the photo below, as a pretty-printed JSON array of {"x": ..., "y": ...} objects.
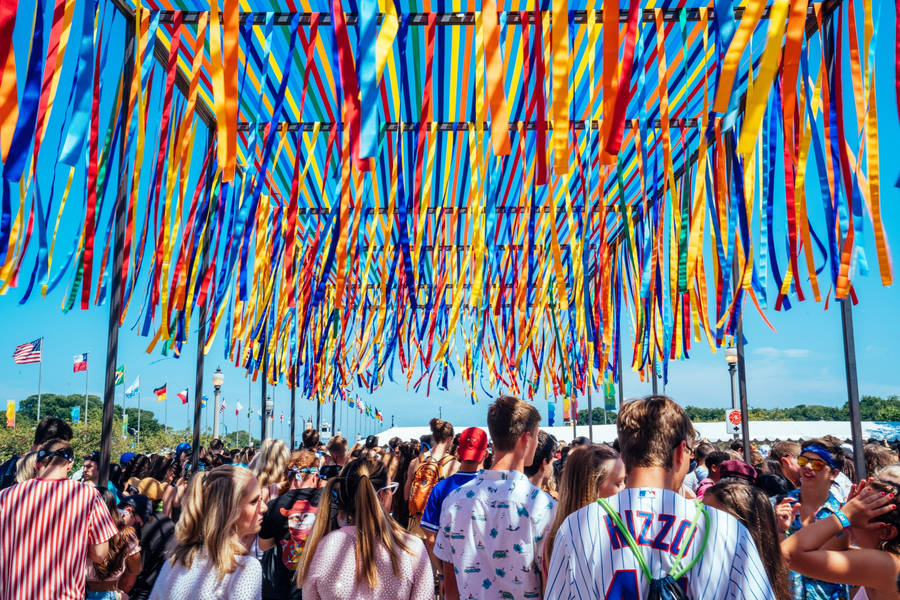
[{"x": 592, "y": 560}]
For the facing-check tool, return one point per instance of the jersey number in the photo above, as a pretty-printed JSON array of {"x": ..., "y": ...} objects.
[{"x": 624, "y": 586}]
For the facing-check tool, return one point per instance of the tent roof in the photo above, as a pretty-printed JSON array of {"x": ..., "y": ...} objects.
[{"x": 714, "y": 432}]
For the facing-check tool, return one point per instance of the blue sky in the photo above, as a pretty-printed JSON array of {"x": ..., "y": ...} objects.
[{"x": 801, "y": 363}]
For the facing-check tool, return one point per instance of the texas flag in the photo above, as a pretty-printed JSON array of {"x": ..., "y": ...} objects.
[
  {"x": 79, "y": 363},
  {"x": 183, "y": 396}
]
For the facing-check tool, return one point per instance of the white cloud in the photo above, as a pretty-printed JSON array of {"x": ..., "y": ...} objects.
[{"x": 778, "y": 353}]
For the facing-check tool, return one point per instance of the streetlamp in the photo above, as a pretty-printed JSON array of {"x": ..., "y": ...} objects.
[
  {"x": 731, "y": 357},
  {"x": 218, "y": 379},
  {"x": 309, "y": 423}
]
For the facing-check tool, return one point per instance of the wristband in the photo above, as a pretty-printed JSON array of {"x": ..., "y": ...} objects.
[{"x": 842, "y": 519}]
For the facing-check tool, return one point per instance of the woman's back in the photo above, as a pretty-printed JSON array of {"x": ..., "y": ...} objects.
[
  {"x": 202, "y": 581},
  {"x": 332, "y": 573}
]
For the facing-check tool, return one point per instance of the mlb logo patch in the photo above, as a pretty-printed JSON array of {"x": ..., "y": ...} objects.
[{"x": 647, "y": 494}]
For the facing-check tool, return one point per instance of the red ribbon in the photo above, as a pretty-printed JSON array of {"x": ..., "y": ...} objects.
[
  {"x": 623, "y": 95},
  {"x": 90, "y": 220},
  {"x": 349, "y": 81}
]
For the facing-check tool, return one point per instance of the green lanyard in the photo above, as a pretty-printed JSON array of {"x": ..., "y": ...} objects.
[{"x": 674, "y": 572}]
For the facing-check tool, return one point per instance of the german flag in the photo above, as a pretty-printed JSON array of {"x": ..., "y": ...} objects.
[{"x": 160, "y": 393}]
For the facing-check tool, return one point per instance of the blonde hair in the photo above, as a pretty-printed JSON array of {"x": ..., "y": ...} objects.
[
  {"x": 354, "y": 494},
  {"x": 586, "y": 468},
  {"x": 26, "y": 467},
  {"x": 210, "y": 512},
  {"x": 269, "y": 464}
]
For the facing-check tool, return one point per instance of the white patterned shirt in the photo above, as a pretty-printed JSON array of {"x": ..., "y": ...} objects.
[
  {"x": 592, "y": 560},
  {"x": 493, "y": 530}
]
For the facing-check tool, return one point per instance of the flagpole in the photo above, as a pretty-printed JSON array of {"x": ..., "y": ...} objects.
[
  {"x": 86, "y": 367},
  {"x": 40, "y": 373},
  {"x": 139, "y": 416},
  {"x": 166, "y": 414}
]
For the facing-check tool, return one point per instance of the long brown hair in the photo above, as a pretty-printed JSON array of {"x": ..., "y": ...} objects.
[
  {"x": 118, "y": 545},
  {"x": 751, "y": 506},
  {"x": 585, "y": 470},
  {"x": 209, "y": 518},
  {"x": 353, "y": 493}
]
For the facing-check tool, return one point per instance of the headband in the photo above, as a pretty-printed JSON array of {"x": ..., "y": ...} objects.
[{"x": 820, "y": 451}]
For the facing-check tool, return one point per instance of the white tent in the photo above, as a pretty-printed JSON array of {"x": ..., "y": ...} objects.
[{"x": 759, "y": 430}]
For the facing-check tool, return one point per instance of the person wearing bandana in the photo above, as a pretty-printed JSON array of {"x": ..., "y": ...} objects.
[{"x": 813, "y": 501}]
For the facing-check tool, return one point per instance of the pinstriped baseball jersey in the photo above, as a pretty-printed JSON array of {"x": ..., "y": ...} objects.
[{"x": 592, "y": 560}]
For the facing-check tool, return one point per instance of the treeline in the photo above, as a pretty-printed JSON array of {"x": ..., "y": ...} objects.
[{"x": 871, "y": 408}]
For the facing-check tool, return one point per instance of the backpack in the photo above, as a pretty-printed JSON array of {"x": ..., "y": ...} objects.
[
  {"x": 666, "y": 587},
  {"x": 8, "y": 472},
  {"x": 426, "y": 476}
]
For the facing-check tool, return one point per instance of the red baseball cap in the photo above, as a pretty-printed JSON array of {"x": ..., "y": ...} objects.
[{"x": 472, "y": 444}]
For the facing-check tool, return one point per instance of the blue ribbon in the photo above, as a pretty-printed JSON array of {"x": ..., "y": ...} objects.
[
  {"x": 365, "y": 68},
  {"x": 81, "y": 116},
  {"x": 23, "y": 135}
]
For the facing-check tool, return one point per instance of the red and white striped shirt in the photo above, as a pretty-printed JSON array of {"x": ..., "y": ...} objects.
[{"x": 46, "y": 526}]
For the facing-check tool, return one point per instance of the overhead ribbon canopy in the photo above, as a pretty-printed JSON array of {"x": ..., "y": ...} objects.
[{"x": 503, "y": 194}]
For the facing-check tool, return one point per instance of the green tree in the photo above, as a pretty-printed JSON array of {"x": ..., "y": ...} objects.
[{"x": 598, "y": 416}]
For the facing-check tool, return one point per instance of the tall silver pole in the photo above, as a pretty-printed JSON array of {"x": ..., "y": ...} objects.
[
  {"x": 139, "y": 417},
  {"x": 86, "y": 390},
  {"x": 40, "y": 373},
  {"x": 218, "y": 392},
  {"x": 734, "y": 404}
]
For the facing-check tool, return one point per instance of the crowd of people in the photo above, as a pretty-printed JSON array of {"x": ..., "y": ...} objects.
[{"x": 511, "y": 513}]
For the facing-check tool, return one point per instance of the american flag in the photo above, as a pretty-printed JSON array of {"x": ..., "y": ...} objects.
[{"x": 26, "y": 354}]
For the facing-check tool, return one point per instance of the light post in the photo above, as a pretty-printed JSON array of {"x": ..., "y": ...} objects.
[
  {"x": 731, "y": 357},
  {"x": 268, "y": 411},
  {"x": 218, "y": 379},
  {"x": 309, "y": 423}
]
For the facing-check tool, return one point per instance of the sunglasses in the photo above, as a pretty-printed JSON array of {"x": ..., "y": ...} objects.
[
  {"x": 65, "y": 453},
  {"x": 815, "y": 464}
]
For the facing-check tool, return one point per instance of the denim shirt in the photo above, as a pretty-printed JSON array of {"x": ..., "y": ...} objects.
[{"x": 807, "y": 588}]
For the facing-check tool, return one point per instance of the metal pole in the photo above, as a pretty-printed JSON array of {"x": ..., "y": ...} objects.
[
  {"x": 653, "y": 375},
  {"x": 40, "y": 375},
  {"x": 619, "y": 371},
  {"x": 734, "y": 403},
  {"x": 590, "y": 414},
  {"x": 86, "y": 391},
  {"x": 859, "y": 458},
  {"x": 115, "y": 305},
  {"x": 742, "y": 387},
  {"x": 318, "y": 415},
  {"x": 139, "y": 417},
  {"x": 264, "y": 427},
  {"x": 201, "y": 325},
  {"x": 218, "y": 401},
  {"x": 333, "y": 413},
  {"x": 573, "y": 412},
  {"x": 293, "y": 402}
]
